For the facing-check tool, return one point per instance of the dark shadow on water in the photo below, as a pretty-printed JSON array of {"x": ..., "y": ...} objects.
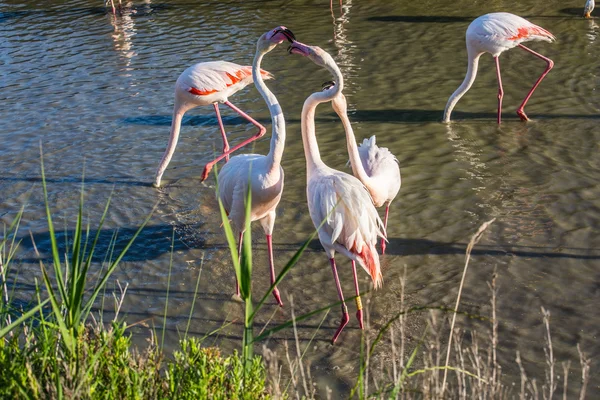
[
  {"x": 194, "y": 120},
  {"x": 445, "y": 19},
  {"x": 75, "y": 180},
  {"x": 151, "y": 243},
  {"x": 386, "y": 115},
  {"x": 411, "y": 247}
]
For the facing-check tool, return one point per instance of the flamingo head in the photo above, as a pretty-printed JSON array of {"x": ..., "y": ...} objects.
[
  {"x": 274, "y": 37},
  {"x": 314, "y": 53},
  {"x": 338, "y": 103}
]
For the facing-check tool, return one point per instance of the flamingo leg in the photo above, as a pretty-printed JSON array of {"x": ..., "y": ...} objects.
[
  {"x": 272, "y": 267},
  {"x": 387, "y": 211},
  {"x": 345, "y": 317},
  {"x": 500, "y": 90},
  {"x": 237, "y": 284},
  {"x": 223, "y": 135},
  {"x": 261, "y": 131},
  {"x": 359, "y": 313},
  {"x": 549, "y": 65}
]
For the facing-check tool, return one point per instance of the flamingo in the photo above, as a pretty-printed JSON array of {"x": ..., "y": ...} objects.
[
  {"x": 112, "y": 4},
  {"x": 351, "y": 224},
  {"x": 264, "y": 173},
  {"x": 207, "y": 83},
  {"x": 495, "y": 33},
  {"x": 376, "y": 167},
  {"x": 589, "y": 7}
]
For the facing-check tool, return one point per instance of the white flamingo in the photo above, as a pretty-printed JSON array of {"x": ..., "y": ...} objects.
[
  {"x": 207, "y": 83},
  {"x": 351, "y": 224},
  {"x": 263, "y": 172},
  {"x": 376, "y": 167},
  {"x": 589, "y": 7},
  {"x": 495, "y": 33}
]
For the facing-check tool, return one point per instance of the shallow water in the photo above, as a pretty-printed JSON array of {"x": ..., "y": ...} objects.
[{"x": 97, "y": 93}]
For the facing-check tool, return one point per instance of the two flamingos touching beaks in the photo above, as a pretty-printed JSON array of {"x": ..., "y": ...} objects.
[{"x": 342, "y": 206}]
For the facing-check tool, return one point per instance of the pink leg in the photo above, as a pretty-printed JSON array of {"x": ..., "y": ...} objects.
[
  {"x": 261, "y": 132},
  {"x": 387, "y": 211},
  {"x": 549, "y": 65},
  {"x": 225, "y": 143},
  {"x": 500, "y": 90},
  {"x": 359, "y": 313},
  {"x": 345, "y": 317},
  {"x": 237, "y": 284},
  {"x": 272, "y": 266}
]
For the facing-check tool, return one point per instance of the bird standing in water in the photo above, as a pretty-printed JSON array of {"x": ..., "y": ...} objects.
[
  {"x": 495, "y": 33},
  {"x": 376, "y": 167},
  {"x": 339, "y": 200},
  {"x": 263, "y": 173},
  {"x": 207, "y": 83}
]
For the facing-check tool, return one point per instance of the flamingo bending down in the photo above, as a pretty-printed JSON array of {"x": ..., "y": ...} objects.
[
  {"x": 351, "y": 224},
  {"x": 495, "y": 33},
  {"x": 589, "y": 7},
  {"x": 376, "y": 167},
  {"x": 203, "y": 84},
  {"x": 263, "y": 172}
]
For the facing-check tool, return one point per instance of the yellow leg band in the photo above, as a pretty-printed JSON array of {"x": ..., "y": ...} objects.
[{"x": 358, "y": 303}]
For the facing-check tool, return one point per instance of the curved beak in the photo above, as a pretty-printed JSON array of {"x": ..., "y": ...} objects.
[
  {"x": 289, "y": 35},
  {"x": 299, "y": 48},
  {"x": 327, "y": 85}
]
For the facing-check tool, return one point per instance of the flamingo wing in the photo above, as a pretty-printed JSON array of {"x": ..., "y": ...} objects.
[
  {"x": 375, "y": 158},
  {"x": 214, "y": 76},
  {"x": 351, "y": 220},
  {"x": 506, "y": 31}
]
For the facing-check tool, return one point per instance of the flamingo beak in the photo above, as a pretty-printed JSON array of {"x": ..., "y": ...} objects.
[
  {"x": 327, "y": 85},
  {"x": 299, "y": 48},
  {"x": 289, "y": 35}
]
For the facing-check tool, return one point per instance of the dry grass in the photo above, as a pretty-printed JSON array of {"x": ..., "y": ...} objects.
[{"x": 463, "y": 366}]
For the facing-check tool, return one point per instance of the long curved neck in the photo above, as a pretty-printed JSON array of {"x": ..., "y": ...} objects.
[
  {"x": 277, "y": 119},
  {"x": 465, "y": 85},
  {"x": 309, "y": 139},
  {"x": 357, "y": 166}
]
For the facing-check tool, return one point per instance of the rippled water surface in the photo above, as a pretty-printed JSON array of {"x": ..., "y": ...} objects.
[{"x": 97, "y": 93}]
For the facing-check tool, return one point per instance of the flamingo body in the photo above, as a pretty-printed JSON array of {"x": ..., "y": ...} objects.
[
  {"x": 382, "y": 168},
  {"x": 495, "y": 33},
  {"x": 376, "y": 167},
  {"x": 263, "y": 173},
  {"x": 351, "y": 227},
  {"x": 203, "y": 84},
  {"x": 266, "y": 187},
  {"x": 339, "y": 204},
  {"x": 211, "y": 82}
]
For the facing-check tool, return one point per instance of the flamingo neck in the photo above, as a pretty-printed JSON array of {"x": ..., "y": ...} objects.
[
  {"x": 472, "y": 66},
  {"x": 277, "y": 119},
  {"x": 357, "y": 166},
  {"x": 309, "y": 139},
  {"x": 179, "y": 109}
]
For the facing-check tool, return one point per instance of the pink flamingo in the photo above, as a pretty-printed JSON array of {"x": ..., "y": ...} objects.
[
  {"x": 495, "y": 33},
  {"x": 264, "y": 173},
  {"x": 203, "y": 84},
  {"x": 351, "y": 224},
  {"x": 376, "y": 167}
]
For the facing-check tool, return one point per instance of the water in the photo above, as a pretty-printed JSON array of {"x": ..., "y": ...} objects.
[{"x": 97, "y": 93}]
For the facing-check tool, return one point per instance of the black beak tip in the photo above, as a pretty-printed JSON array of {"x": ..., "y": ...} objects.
[
  {"x": 328, "y": 85},
  {"x": 290, "y": 35}
]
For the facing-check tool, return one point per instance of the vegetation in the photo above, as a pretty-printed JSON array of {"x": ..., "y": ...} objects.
[{"x": 55, "y": 348}]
